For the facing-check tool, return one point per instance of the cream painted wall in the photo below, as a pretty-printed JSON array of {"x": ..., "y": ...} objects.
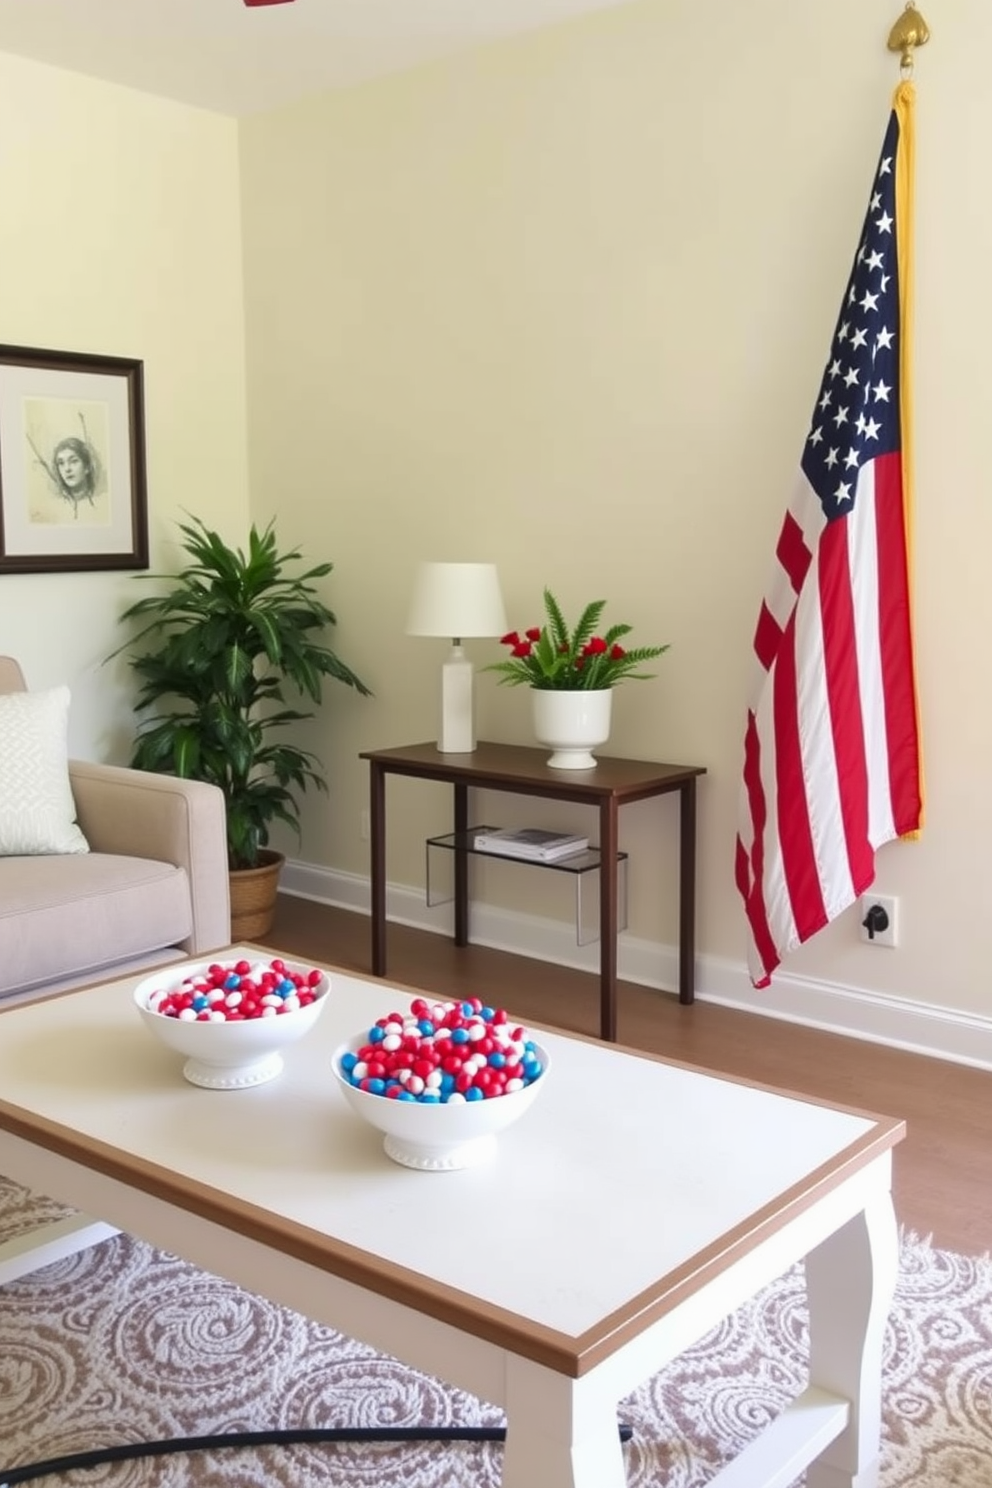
[
  {"x": 120, "y": 233},
  {"x": 563, "y": 304}
]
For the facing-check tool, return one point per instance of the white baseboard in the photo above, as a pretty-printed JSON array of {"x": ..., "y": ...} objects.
[{"x": 922, "y": 1028}]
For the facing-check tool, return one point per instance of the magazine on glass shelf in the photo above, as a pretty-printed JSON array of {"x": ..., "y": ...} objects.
[{"x": 535, "y": 844}]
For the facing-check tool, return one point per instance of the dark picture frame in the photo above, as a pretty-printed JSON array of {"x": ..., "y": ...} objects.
[{"x": 73, "y": 492}]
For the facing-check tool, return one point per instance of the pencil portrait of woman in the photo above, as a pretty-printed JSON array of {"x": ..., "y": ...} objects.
[
  {"x": 74, "y": 469},
  {"x": 67, "y": 474}
]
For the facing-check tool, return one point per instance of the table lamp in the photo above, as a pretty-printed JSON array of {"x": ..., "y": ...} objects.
[{"x": 456, "y": 600}]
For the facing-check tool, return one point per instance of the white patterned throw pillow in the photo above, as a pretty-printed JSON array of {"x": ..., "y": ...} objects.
[{"x": 37, "y": 812}]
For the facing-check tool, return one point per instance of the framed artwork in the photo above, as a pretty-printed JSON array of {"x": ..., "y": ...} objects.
[{"x": 72, "y": 462}]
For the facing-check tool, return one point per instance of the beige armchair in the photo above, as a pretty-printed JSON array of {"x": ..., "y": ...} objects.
[{"x": 153, "y": 888}]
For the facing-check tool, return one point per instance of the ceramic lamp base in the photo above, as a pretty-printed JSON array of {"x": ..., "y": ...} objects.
[{"x": 457, "y": 730}]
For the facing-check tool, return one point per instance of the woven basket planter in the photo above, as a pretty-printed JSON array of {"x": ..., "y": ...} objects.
[{"x": 253, "y": 896}]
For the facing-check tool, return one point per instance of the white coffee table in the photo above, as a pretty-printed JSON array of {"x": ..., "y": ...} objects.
[{"x": 634, "y": 1206}]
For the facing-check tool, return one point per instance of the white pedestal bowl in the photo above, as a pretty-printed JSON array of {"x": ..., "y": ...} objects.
[
  {"x": 227, "y": 1055},
  {"x": 438, "y": 1138}
]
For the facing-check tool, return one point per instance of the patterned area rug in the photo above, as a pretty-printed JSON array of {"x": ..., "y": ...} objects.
[{"x": 123, "y": 1343}]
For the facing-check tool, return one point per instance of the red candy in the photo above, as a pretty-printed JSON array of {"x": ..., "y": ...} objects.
[
  {"x": 440, "y": 1052},
  {"x": 238, "y": 992}
]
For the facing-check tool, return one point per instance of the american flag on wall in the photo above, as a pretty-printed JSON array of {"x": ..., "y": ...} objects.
[{"x": 832, "y": 749}]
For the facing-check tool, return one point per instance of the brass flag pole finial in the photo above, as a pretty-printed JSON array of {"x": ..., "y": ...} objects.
[{"x": 909, "y": 32}]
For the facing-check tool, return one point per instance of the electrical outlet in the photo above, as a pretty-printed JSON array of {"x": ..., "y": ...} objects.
[
  {"x": 365, "y": 827},
  {"x": 875, "y": 908}
]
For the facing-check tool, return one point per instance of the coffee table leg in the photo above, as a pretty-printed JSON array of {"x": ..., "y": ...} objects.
[
  {"x": 561, "y": 1432},
  {"x": 850, "y": 1280},
  {"x": 23, "y": 1254}
]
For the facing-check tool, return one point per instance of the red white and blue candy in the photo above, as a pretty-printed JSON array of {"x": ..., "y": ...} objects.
[
  {"x": 444, "y": 1053},
  {"x": 237, "y": 992}
]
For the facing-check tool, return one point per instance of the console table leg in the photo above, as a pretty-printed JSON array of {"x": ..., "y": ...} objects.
[
  {"x": 609, "y": 842},
  {"x": 850, "y": 1281},
  {"x": 461, "y": 865},
  {"x": 687, "y": 891},
  {"x": 377, "y": 865},
  {"x": 561, "y": 1432}
]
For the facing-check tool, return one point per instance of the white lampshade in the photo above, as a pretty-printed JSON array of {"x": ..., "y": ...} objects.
[{"x": 456, "y": 600}]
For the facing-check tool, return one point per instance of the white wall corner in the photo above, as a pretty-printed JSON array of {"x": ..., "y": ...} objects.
[{"x": 875, "y": 1017}]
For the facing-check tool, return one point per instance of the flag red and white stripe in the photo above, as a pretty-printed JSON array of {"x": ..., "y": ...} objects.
[{"x": 831, "y": 752}]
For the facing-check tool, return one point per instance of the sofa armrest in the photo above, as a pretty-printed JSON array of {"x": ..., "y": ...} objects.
[{"x": 142, "y": 815}]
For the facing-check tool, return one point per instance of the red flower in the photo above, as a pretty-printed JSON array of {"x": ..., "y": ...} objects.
[{"x": 555, "y": 656}]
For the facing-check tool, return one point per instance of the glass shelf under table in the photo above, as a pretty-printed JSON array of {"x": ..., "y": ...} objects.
[{"x": 579, "y": 865}]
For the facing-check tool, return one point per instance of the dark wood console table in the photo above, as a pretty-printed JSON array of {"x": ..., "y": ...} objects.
[{"x": 524, "y": 771}]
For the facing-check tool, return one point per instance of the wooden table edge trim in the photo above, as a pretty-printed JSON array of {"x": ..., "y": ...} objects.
[
  {"x": 563, "y": 1353},
  {"x": 699, "y": 1270}
]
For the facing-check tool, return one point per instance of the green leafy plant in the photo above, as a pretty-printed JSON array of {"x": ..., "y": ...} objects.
[
  {"x": 555, "y": 656},
  {"x": 213, "y": 659}
]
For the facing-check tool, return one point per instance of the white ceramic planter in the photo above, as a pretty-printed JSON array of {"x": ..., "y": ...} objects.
[{"x": 572, "y": 724}]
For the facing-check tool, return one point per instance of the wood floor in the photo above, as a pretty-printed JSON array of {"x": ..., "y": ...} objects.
[{"x": 943, "y": 1170}]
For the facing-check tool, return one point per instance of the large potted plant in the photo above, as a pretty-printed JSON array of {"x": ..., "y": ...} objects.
[
  {"x": 214, "y": 656},
  {"x": 571, "y": 671}
]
